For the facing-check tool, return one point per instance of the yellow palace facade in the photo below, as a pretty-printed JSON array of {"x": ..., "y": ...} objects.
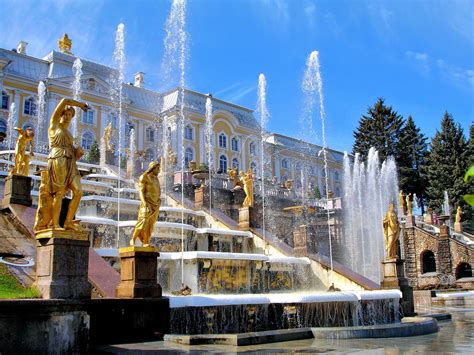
[{"x": 236, "y": 133}]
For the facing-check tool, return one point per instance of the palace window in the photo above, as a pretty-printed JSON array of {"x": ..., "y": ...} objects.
[
  {"x": 150, "y": 134},
  {"x": 428, "y": 262},
  {"x": 285, "y": 164},
  {"x": 188, "y": 156},
  {"x": 235, "y": 144},
  {"x": 5, "y": 100},
  {"x": 87, "y": 140},
  {"x": 188, "y": 132},
  {"x": 235, "y": 164},
  {"x": 252, "y": 148},
  {"x": 149, "y": 155},
  {"x": 114, "y": 119},
  {"x": 336, "y": 175},
  {"x": 3, "y": 130},
  {"x": 222, "y": 140},
  {"x": 30, "y": 107},
  {"x": 253, "y": 166},
  {"x": 223, "y": 164},
  {"x": 88, "y": 117}
]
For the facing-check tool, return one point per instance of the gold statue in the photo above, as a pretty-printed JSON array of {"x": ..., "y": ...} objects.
[
  {"x": 408, "y": 203},
  {"x": 62, "y": 168},
  {"x": 247, "y": 182},
  {"x": 150, "y": 200},
  {"x": 22, "y": 160},
  {"x": 402, "y": 202},
  {"x": 458, "y": 215},
  {"x": 45, "y": 202},
  {"x": 108, "y": 132},
  {"x": 391, "y": 231},
  {"x": 65, "y": 44},
  {"x": 234, "y": 176}
]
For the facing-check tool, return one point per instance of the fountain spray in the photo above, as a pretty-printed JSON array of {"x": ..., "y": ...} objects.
[
  {"x": 41, "y": 111},
  {"x": 76, "y": 92}
]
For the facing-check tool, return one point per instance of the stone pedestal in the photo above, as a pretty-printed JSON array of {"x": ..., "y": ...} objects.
[
  {"x": 428, "y": 218},
  {"x": 109, "y": 157},
  {"x": 410, "y": 221},
  {"x": 458, "y": 227},
  {"x": 199, "y": 197},
  {"x": 62, "y": 262},
  {"x": 244, "y": 218},
  {"x": 393, "y": 277},
  {"x": 138, "y": 273},
  {"x": 300, "y": 237},
  {"x": 17, "y": 190}
]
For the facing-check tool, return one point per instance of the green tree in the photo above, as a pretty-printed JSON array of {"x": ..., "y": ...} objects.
[
  {"x": 411, "y": 158},
  {"x": 93, "y": 155},
  {"x": 379, "y": 128},
  {"x": 446, "y": 165}
]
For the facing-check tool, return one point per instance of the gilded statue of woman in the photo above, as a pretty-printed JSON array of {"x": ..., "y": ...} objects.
[
  {"x": 22, "y": 160},
  {"x": 62, "y": 168},
  {"x": 247, "y": 181},
  {"x": 391, "y": 231},
  {"x": 108, "y": 132},
  {"x": 408, "y": 204},
  {"x": 150, "y": 200}
]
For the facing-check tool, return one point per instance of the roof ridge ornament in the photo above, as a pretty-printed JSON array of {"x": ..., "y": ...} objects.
[{"x": 65, "y": 44}]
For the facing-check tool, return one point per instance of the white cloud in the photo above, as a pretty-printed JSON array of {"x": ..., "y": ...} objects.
[
  {"x": 310, "y": 13},
  {"x": 422, "y": 60},
  {"x": 279, "y": 11},
  {"x": 238, "y": 94}
]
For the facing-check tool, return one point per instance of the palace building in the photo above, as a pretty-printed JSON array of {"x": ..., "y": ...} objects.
[{"x": 236, "y": 133}]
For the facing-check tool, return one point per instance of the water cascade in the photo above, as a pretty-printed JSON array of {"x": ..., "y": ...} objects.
[
  {"x": 165, "y": 145},
  {"x": 41, "y": 111},
  {"x": 132, "y": 153},
  {"x": 209, "y": 147},
  {"x": 263, "y": 113},
  {"x": 368, "y": 189},
  {"x": 76, "y": 93},
  {"x": 11, "y": 124}
]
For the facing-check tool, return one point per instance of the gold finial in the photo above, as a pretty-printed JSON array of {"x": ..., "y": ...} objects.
[{"x": 65, "y": 44}]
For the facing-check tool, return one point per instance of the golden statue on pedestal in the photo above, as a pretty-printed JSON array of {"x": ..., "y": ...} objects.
[
  {"x": 458, "y": 215},
  {"x": 247, "y": 182},
  {"x": 402, "y": 202},
  {"x": 45, "y": 202},
  {"x": 108, "y": 133},
  {"x": 150, "y": 200},
  {"x": 391, "y": 231},
  {"x": 63, "y": 174},
  {"x": 408, "y": 203},
  {"x": 22, "y": 160},
  {"x": 234, "y": 177}
]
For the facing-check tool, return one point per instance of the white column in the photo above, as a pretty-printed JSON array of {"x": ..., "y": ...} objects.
[{"x": 276, "y": 162}]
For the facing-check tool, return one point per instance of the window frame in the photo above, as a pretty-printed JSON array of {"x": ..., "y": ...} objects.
[{"x": 32, "y": 106}]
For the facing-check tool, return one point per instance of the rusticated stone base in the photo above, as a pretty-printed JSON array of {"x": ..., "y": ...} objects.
[
  {"x": 17, "y": 190},
  {"x": 244, "y": 218},
  {"x": 138, "y": 273},
  {"x": 410, "y": 221},
  {"x": 300, "y": 236},
  {"x": 199, "y": 197},
  {"x": 393, "y": 277},
  {"x": 109, "y": 157},
  {"x": 62, "y": 264}
]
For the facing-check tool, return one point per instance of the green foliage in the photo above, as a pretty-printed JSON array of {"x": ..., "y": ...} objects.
[
  {"x": 412, "y": 153},
  {"x": 93, "y": 156},
  {"x": 11, "y": 288},
  {"x": 446, "y": 166},
  {"x": 317, "y": 194},
  {"x": 381, "y": 129},
  {"x": 123, "y": 162}
]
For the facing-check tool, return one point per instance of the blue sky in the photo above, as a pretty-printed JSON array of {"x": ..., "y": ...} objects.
[{"x": 418, "y": 55}]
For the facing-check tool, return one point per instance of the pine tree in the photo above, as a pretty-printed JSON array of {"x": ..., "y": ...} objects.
[
  {"x": 446, "y": 166},
  {"x": 381, "y": 129},
  {"x": 93, "y": 155},
  {"x": 411, "y": 157}
]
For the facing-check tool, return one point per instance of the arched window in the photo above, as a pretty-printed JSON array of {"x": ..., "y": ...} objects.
[
  {"x": 87, "y": 140},
  {"x": 150, "y": 134},
  {"x": 222, "y": 140},
  {"x": 223, "y": 164},
  {"x": 3, "y": 129},
  {"x": 298, "y": 166},
  {"x": 149, "y": 154},
  {"x": 252, "y": 148},
  {"x": 5, "y": 100},
  {"x": 285, "y": 164},
  {"x": 29, "y": 107},
  {"x": 235, "y": 144},
  {"x": 428, "y": 262},
  {"x": 235, "y": 164},
  {"x": 188, "y": 132},
  {"x": 253, "y": 166},
  {"x": 463, "y": 270},
  {"x": 88, "y": 117},
  {"x": 188, "y": 156}
]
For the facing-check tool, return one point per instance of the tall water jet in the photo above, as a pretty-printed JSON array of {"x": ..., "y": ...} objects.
[
  {"x": 263, "y": 113},
  {"x": 41, "y": 110},
  {"x": 117, "y": 97},
  {"x": 11, "y": 124},
  {"x": 368, "y": 190},
  {"x": 76, "y": 88},
  {"x": 209, "y": 147},
  {"x": 313, "y": 92},
  {"x": 175, "y": 60},
  {"x": 132, "y": 153},
  {"x": 446, "y": 208},
  {"x": 165, "y": 145}
]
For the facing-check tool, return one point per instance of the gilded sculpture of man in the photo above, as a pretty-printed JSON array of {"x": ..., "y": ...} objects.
[
  {"x": 22, "y": 160},
  {"x": 108, "y": 132},
  {"x": 247, "y": 182},
  {"x": 408, "y": 204},
  {"x": 402, "y": 202},
  {"x": 150, "y": 200},
  {"x": 45, "y": 201},
  {"x": 391, "y": 231},
  {"x": 458, "y": 215},
  {"x": 62, "y": 168}
]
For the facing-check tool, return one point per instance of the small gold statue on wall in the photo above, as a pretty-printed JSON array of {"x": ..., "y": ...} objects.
[
  {"x": 247, "y": 182},
  {"x": 402, "y": 202},
  {"x": 458, "y": 215},
  {"x": 150, "y": 200},
  {"x": 391, "y": 231},
  {"x": 234, "y": 177},
  {"x": 62, "y": 173},
  {"x": 108, "y": 133},
  {"x": 408, "y": 204},
  {"x": 45, "y": 201},
  {"x": 22, "y": 160}
]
